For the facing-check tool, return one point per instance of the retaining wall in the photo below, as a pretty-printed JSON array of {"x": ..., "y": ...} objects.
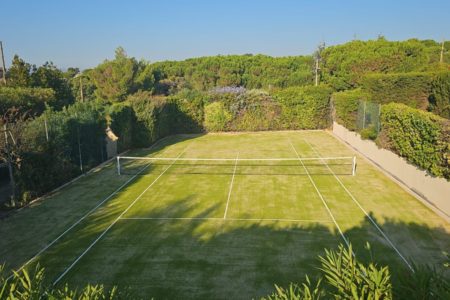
[{"x": 433, "y": 191}]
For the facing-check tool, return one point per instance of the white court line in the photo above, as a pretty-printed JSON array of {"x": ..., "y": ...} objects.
[
  {"x": 365, "y": 212},
  {"x": 222, "y": 219},
  {"x": 231, "y": 187},
  {"x": 77, "y": 222},
  {"x": 321, "y": 197},
  {"x": 83, "y": 217},
  {"x": 114, "y": 222}
]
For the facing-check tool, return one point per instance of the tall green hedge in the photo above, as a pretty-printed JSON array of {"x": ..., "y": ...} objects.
[
  {"x": 44, "y": 164},
  {"x": 121, "y": 118},
  {"x": 305, "y": 107},
  {"x": 440, "y": 94},
  {"x": 411, "y": 88},
  {"x": 421, "y": 137},
  {"x": 345, "y": 106}
]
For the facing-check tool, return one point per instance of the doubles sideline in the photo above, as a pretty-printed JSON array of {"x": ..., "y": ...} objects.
[
  {"x": 46, "y": 247},
  {"x": 362, "y": 209},
  {"x": 114, "y": 222},
  {"x": 320, "y": 195}
]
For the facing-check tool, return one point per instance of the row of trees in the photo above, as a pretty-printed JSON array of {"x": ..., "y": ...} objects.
[{"x": 142, "y": 102}]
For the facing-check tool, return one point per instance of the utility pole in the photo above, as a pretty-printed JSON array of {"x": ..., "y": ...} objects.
[
  {"x": 441, "y": 60},
  {"x": 318, "y": 57},
  {"x": 3, "y": 64},
  {"x": 9, "y": 163},
  {"x": 316, "y": 72},
  {"x": 81, "y": 86}
]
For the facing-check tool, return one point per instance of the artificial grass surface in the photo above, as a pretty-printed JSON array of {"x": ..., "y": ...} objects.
[{"x": 207, "y": 256}]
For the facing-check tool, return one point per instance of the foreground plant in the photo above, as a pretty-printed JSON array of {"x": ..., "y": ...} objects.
[
  {"x": 26, "y": 285},
  {"x": 345, "y": 278}
]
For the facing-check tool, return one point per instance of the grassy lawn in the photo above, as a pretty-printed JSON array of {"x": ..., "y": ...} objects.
[{"x": 222, "y": 231}]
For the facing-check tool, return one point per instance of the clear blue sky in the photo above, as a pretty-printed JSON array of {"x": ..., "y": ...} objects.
[{"x": 83, "y": 33}]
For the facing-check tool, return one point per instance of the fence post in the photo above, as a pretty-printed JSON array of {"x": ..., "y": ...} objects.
[
  {"x": 364, "y": 115},
  {"x": 118, "y": 164}
]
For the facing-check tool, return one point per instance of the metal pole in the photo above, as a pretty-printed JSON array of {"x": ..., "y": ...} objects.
[
  {"x": 10, "y": 170},
  {"x": 81, "y": 89},
  {"x": 118, "y": 164},
  {"x": 79, "y": 149},
  {"x": 3, "y": 63},
  {"x": 46, "y": 129},
  {"x": 364, "y": 115}
]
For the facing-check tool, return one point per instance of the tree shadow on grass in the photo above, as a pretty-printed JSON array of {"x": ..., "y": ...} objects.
[{"x": 236, "y": 259}]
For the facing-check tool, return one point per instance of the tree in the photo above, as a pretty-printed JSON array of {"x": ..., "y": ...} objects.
[
  {"x": 19, "y": 74},
  {"x": 49, "y": 76},
  {"x": 116, "y": 79}
]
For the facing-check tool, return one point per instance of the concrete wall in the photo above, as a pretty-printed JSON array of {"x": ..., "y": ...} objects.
[{"x": 433, "y": 191}]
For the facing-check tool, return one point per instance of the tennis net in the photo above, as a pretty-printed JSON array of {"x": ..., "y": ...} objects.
[{"x": 132, "y": 165}]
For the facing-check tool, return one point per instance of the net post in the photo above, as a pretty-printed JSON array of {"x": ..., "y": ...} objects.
[
  {"x": 354, "y": 166},
  {"x": 118, "y": 164}
]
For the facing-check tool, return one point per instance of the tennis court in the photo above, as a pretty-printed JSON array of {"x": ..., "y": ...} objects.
[{"x": 224, "y": 216}]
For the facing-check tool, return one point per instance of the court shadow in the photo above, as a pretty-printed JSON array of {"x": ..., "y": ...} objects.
[{"x": 178, "y": 251}]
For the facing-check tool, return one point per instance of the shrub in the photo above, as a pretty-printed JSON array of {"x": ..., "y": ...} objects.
[
  {"x": 147, "y": 109},
  {"x": 369, "y": 133},
  {"x": 255, "y": 110},
  {"x": 217, "y": 117},
  {"x": 346, "y": 106},
  {"x": 305, "y": 107},
  {"x": 411, "y": 89},
  {"x": 440, "y": 94},
  {"x": 345, "y": 278},
  {"x": 121, "y": 118},
  {"x": 73, "y": 132},
  {"x": 31, "y": 285},
  {"x": 421, "y": 137}
]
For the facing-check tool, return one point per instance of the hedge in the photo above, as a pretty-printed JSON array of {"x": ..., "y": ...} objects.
[
  {"x": 305, "y": 107},
  {"x": 411, "y": 88},
  {"x": 421, "y": 137},
  {"x": 30, "y": 100},
  {"x": 440, "y": 94},
  {"x": 345, "y": 106},
  {"x": 217, "y": 117},
  {"x": 78, "y": 128}
]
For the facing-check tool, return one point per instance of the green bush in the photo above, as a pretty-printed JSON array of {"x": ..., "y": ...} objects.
[
  {"x": 24, "y": 285},
  {"x": 345, "y": 104},
  {"x": 217, "y": 117},
  {"x": 78, "y": 130},
  {"x": 255, "y": 110},
  {"x": 411, "y": 89},
  {"x": 147, "y": 109},
  {"x": 188, "y": 111},
  {"x": 421, "y": 137},
  {"x": 344, "y": 278},
  {"x": 440, "y": 94},
  {"x": 305, "y": 107},
  {"x": 32, "y": 100},
  {"x": 121, "y": 119}
]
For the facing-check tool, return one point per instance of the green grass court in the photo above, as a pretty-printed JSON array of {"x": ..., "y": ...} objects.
[{"x": 222, "y": 229}]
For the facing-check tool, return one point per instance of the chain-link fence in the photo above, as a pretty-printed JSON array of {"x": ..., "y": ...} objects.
[{"x": 368, "y": 116}]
